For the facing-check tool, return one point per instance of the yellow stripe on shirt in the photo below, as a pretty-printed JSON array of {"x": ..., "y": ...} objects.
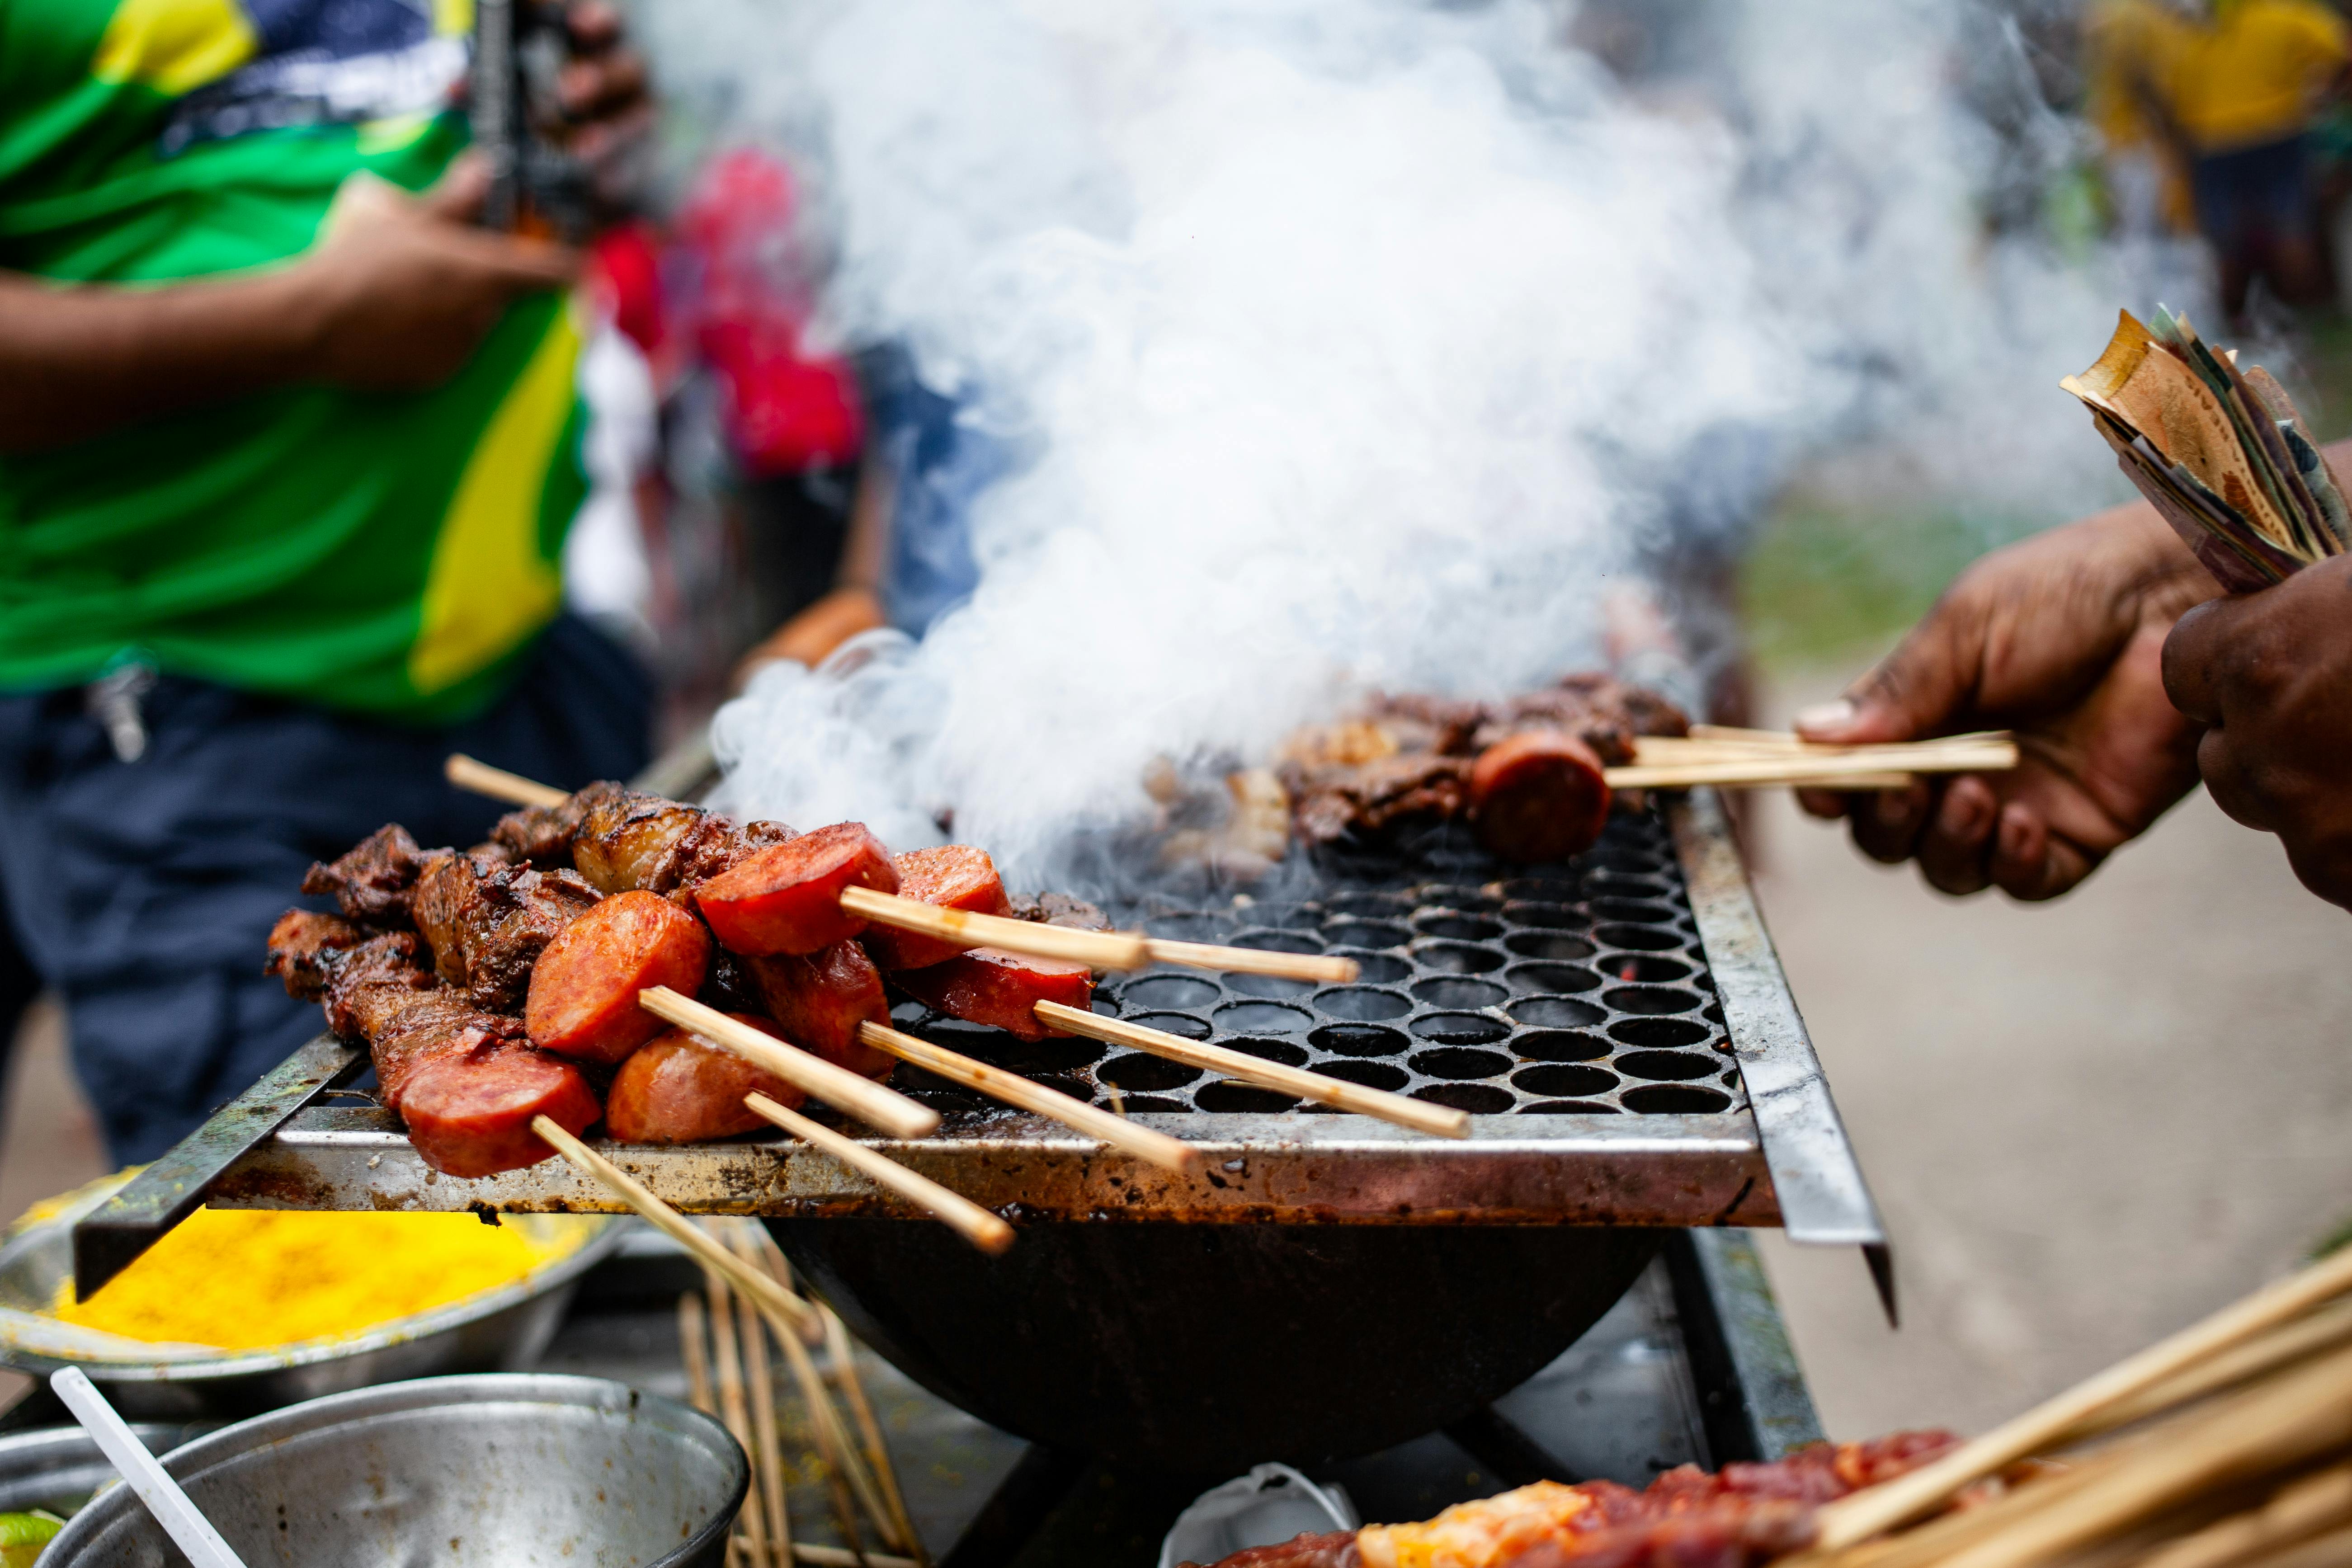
[
  {"x": 173, "y": 46},
  {"x": 489, "y": 586}
]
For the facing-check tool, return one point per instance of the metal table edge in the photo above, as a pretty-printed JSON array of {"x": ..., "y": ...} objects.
[{"x": 1824, "y": 1198}]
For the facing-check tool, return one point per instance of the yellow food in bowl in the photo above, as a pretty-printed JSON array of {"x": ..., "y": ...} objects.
[{"x": 253, "y": 1279}]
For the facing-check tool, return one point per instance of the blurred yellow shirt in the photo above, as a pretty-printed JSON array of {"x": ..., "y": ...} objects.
[
  {"x": 2256, "y": 72},
  {"x": 2131, "y": 51}
]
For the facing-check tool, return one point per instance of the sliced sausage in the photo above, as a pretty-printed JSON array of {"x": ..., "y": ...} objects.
[
  {"x": 953, "y": 877},
  {"x": 787, "y": 897},
  {"x": 675, "y": 1089},
  {"x": 818, "y": 999},
  {"x": 583, "y": 989},
  {"x": 1538, "y": 796},
  {"x": 989, "y": 985},
  {"x": 469, "y": 1113}
]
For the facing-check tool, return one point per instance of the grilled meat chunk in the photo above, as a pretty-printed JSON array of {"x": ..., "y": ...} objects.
[
  {"x": 370, "y": 883},
  {"x": 1517, "y": 767},
  {"x": 675, "y": 1089},
  {"x": 627, "y": 840},
  {"x": 989, "y": 985},
  {"x": 299, "y": 946},
  {"x": 467, "y": 1081},
  {"x": 1741, "y": 1517},
  {"x": 487, "y": 924},
  {"x": 787, "y": 897},
  {"x": 543, "y": 835},
  {"x": 584, "y": 990},
  {"x": 953, "y": 877},
  {"x": 818, "y": 999}
]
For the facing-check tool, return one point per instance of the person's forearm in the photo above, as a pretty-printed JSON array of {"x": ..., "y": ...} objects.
[{"x": 80, "y": 359}]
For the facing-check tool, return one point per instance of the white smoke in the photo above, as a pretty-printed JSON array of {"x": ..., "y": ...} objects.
[{"x": 1352, "y": 342}]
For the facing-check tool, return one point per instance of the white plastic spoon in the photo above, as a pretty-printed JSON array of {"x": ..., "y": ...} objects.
[{"x": 191, "y": 1531}]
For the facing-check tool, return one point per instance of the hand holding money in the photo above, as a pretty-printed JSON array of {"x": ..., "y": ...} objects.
[{"x": 2221, "y": 455}]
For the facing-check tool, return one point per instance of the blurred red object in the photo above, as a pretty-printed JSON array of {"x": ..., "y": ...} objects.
[{"x": 728, "y": 288}]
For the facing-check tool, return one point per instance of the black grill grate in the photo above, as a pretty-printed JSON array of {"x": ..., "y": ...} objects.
[{"x": 1574, "y": 989}]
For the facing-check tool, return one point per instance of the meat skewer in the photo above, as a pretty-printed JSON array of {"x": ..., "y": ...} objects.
[
  {"x": 780, "y": 898},
  {"x": 1405, "y": 1112},
  {"x": 870, "y": 1102},
  {"x": 1170, "y": 1153},
  {"x": 960, "y": 1214},
  {"x": 469, "y": 1084}
]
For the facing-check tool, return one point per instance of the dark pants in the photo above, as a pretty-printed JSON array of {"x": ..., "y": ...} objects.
[{"x": 144, "y": 891}]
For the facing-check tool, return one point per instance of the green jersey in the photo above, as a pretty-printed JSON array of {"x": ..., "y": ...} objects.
[{"x": 389, "y": 553}]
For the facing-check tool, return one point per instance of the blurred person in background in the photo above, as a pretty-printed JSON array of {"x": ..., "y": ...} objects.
[
  {"x": 287, "y": 456},
  {"x": 2246, "y": 85},
  {"x": 2128, "y": 678},
  {"x": 2130, "y": 51}
]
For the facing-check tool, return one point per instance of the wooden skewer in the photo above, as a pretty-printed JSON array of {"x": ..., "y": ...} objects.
[
  {"x": 1170, "y": 1153},
  {"x": 2323, "y": 1329},
  {"x": 1732, "y": 734},
  {"x": 899, "y": 1528},
  {"x": 481, "y": 778},
  {"x": 1880, "y": 1508},
  {"x": 1417, "y": 1114},
  {"x": 694, "y": 1349},
  {"x": 846, "y": 1475},
  {"x": 1313, "y": 966},
  {"x": 836, "y": 1557},
  {"x": 754, "y": 1337},
  {"x": 869, "y": 1431},
  {"x": 1094, "y": 949},
  {"x": 672, "y": 1224},
  {"x": 728, "y": 1354},
  {"x": 967, "y": 1218},
  {"x": 1811, "y": 766},
  {"x": 2297, "y": 1513},
  {"x": 868, "y": 1101},
  {"x": 2282, "y": 1423}
]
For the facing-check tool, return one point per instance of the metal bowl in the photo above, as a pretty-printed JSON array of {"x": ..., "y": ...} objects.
[
  {"x": 500, "y": 1330},
  {"x": 57, "y": 1467},
  {"x": 489, "y": 1471}
]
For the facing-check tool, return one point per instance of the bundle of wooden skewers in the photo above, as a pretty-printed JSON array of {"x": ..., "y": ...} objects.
[
  {"x": 1729, "y": 758},
  {"x": 725, "y": 1338},
  {"x": 2227, "y": 1446}
]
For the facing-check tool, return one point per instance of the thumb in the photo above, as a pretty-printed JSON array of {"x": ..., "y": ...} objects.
[
  {"x": 1915, "y": 691},
  {"x": 458, "y": 196}
]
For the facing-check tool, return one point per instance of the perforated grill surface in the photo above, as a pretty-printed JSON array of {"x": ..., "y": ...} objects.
[{"x": 1563, "y": 990}]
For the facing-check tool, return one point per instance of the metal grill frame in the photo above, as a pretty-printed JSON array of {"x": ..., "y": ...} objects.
[{"x": 1777, "y": 1155}]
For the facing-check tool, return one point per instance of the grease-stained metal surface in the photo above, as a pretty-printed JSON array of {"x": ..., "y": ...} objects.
[
  {"x": 1292, "y": 1168},
  {"x": 1824, "y": 1198},
  {"x": 1605, "y": 967}
]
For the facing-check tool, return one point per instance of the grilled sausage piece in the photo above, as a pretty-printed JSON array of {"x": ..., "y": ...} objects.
[
  {"x": 1538, "y": 796},
  {"x": 583, "y": 989},
  {"x": 1335, "y": 1551},
  {"x": 675, "y": 1089},
  {"x": 953, "y": 877},
  {"x": 818, "y": 1000},
  {"x": 787, "y": 897},
  {"x": 470, "y": 1112},
  {"x": 989, "y": 985}
]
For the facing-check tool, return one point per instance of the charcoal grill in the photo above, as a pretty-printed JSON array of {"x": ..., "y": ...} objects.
[{"x": 1617, "y": 1026}]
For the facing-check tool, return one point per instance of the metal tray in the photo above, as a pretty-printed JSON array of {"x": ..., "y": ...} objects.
[{"x": 1619, "y": 1027}]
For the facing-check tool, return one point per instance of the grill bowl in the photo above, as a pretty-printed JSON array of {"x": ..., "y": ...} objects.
[{"x": 1202, "y": 1349}]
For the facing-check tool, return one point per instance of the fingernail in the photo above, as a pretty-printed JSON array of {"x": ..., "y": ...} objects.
[
  {"x": 1894, "y": 808},
  {"x": 1837, "y": 715}
]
